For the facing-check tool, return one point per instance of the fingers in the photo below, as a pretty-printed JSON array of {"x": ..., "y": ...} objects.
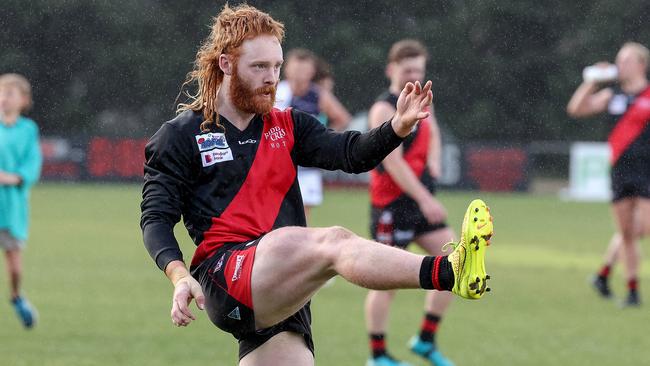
[
  {"x": 427, "y": 87},
  {"x": 178, "y": 318},
  {"x": 181, "y": 314},
  {"x": 185, "y": 290},
  {"x": 184, "y": 308},
  {"x": 426, "y": 101},
  {"x": 198, "y": 296},
  {"x": 408, "y": 88},
  {"x": 422, "y": 115}
]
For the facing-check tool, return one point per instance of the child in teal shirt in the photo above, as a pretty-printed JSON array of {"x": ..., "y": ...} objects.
[{"x": 20, "y": 167}]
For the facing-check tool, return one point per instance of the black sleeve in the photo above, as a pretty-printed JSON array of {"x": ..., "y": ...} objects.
[
  {"x": 167, "y": 175},
  {"x": 350, "y": 151}
]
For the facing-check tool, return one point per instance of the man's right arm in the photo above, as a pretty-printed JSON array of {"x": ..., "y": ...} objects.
[
  {"x": 166, "y": 183},
  {"x": 588, "y": 100}
]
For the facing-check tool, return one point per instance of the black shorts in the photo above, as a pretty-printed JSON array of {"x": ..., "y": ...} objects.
[
  {"x": 398, "y": 223},
  {"x": 630, "y": 178},
  {"x": 225, "y": 280}
]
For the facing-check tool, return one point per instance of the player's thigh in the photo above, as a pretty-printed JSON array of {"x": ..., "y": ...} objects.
[
  {"x": 283, "y": 349},
  {"x": 291, "y": 264},
  {"x": 624, "y": 215},
  {"x": 433, "y": 241}
]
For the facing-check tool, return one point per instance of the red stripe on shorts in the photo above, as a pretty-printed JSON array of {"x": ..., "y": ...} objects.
[{"x": 237, "y": 273}]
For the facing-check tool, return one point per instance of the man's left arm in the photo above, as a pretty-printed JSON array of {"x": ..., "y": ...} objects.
[
  {"x": 350, "y": 151},
  {"x": 355, "y": 152}
]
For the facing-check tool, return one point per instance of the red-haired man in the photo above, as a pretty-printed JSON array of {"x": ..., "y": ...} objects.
[{"x": 227, "y": 164}]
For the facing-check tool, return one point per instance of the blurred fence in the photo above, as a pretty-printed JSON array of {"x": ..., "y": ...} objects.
[
  {"x": 93, "y": 159},
  {"x": 485, "y": 166}
]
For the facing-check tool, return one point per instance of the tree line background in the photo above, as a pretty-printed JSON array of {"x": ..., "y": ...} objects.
[{"x": 502, "y": 70}]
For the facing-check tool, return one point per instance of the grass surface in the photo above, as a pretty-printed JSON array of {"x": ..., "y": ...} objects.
[{"x": 102, "y": 300}]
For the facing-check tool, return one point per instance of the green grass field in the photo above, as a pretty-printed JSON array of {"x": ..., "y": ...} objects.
[{"x": 102, "y": 300}]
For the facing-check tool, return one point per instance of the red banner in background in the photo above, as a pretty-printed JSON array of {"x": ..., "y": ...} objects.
[
  {"x": 496, "y": 168},
  {"x": 115, "y": 158},
  {"x": 98, "y": 158}
]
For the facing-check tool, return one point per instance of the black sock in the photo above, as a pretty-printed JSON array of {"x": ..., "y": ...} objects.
[
  {"x": 429, "y": 327},
  {"x": 436, "y": 273},
  {"x": 378, "y": 345}
]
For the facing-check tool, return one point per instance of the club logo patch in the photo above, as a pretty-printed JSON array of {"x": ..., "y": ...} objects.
[{"x": 209, "y": 141}]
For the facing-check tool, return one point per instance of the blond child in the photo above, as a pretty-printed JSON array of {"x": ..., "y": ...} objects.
[{"x": 20, "y": 166}]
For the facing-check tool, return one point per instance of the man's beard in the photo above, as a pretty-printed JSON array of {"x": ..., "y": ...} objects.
[{"x": 248, "y": 100}]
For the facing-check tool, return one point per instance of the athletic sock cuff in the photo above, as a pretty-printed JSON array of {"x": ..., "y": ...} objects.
[{"x": 426, "y": 273}]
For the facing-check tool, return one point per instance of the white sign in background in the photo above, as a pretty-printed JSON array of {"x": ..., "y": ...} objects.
[{"x": 589, "y": 172}]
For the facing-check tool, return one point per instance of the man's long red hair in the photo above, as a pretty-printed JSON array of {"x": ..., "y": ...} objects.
[{"x": 229, "y": 30}]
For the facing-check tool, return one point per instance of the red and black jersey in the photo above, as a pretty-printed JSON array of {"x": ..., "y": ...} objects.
[
  {"x": 630, "y": 135},
  {"x": 383, "y": 189},
  {"x": 233, "y": 186}
]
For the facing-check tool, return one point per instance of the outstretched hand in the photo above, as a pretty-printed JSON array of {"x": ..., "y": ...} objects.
[
  {"x": 186, "y": 289},
  {"x": 411, "y": 107}
]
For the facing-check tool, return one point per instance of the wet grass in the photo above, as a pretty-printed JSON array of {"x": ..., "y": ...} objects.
[{"x": 102, "y": 300}]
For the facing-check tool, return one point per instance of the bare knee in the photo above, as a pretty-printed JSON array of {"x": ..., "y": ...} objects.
[
  {"x": 336, "y": 234},
  {"x": 629, "y": 235},
  {"x": 332, "y": 240}
]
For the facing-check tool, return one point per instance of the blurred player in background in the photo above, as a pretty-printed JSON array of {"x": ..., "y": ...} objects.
[
  {"x": 628, "y": 104},
  {"x": 299, "y": 91},
  {"x": 404, "y": 207},
  {"x": 324, "y": 77},
  {"x": 227, "y": 165},
  {"x": 20, "y": 166}
]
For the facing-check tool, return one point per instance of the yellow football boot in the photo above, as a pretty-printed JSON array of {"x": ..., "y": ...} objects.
[{"x": 468, "y": 257}]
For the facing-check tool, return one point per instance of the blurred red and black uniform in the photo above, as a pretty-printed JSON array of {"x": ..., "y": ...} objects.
[
  {"x": 630, "y": 144},
  {"x": 231, "y": 187},
  {"x": 395, "y": 217}
]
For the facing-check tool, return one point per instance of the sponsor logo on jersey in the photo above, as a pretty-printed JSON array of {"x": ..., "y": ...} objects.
[
  {"x": 249, "y": 141},
  {"x": 209, "y": 141},
  {"x": 238, "y": 267},
  {"x": 215, "y": 156}
]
